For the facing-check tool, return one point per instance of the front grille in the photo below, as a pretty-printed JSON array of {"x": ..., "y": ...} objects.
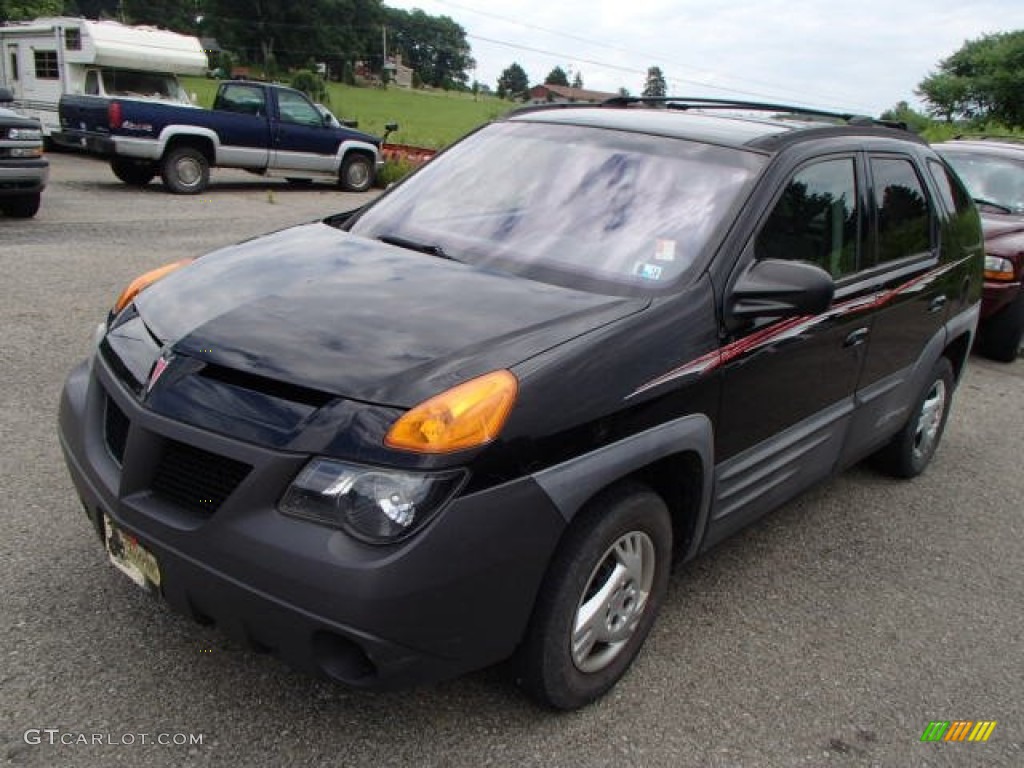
[
  {"x": 115, "y": 430},
  {"x": 196, "y": 480}
]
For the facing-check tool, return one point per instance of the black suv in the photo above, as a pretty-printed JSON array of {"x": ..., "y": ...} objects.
[
  {"x": 993, "y": 170},
  {"x": 23, "y": 169},
  {"x": 479, "y": 416}
]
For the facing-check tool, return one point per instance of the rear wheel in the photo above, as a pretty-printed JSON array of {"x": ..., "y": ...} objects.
[
  {"x": 185, "y": 171},
  {"x": 137, "y": 173},
  {"x": 356, "y": 173},
  {"x": 1002, "y": 333},
  {"x": 21, "y": 207},
  {"x": 599, "y": 599},
  {"x": 912, "y": 448}
]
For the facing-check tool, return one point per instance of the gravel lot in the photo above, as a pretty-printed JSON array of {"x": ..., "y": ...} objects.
[{"x": 830, "y": 633}]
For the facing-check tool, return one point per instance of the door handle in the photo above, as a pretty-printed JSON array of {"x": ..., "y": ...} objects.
[
  {"x": 856, "y": 338},
  {"x": 937, "y": 303}
]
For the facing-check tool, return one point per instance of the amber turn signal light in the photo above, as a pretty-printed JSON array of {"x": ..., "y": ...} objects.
[
  {"x": 143, "y": 281},
  {"x": 462, "y": 417}
]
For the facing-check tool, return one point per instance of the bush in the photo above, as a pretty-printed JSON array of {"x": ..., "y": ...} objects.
[
  {"x": 394, "y": 170},
  {"x": 311, "y": 84}
]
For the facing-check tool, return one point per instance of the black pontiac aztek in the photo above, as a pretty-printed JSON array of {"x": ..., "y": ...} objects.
[{"x": 478, "y": 417}]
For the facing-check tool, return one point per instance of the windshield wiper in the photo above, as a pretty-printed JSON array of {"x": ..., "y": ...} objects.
[
  {"x": 412, "y": 245},
  {"x": 990, "y": 204}
]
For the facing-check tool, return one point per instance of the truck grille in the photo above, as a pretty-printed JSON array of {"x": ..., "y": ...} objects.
[
  {"x": 196, "y": 480},
  {"x": 115, "y": 430}
]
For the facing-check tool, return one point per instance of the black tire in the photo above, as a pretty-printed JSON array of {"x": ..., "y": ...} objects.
[
  {"x": 912, "y": 448},
  {"x": 185, "y": 171},
  {"x": 357, "y": 172},
  {"x": 562, "y": 666},
  {"x": 1002, "y": 333},
  {"x": 135, "y": 173},
  {"x": 21, "y": 207}
]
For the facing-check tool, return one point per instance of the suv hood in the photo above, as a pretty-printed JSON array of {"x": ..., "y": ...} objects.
[
  {"x": 999, "y": 225},
  {"x": 316, "y": 307}
]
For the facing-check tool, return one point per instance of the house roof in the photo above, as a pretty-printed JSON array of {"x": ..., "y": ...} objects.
[{"x": 575, "y": 94}]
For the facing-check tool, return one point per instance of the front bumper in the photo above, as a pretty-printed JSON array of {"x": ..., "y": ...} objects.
[
  {"x": 23, "y": 177},
  {"x": 996, "y": 296},
  {"x": 453, "y": 598}
]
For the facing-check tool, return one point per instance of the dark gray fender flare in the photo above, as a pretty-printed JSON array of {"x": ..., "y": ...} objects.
[{"x": 571, "y": 484}]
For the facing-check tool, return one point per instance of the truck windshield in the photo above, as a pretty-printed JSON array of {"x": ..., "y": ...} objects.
[
  {"x": 143, "y": 85},
  {"x": 604, "y": 210}
]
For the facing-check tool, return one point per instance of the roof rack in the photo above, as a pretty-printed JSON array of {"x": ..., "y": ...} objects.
[{"x": 688, "y": 102}]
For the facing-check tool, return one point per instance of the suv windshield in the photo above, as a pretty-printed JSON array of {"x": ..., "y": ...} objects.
[
  {"x": 992, "y": 179},
  {"x": 585, "y": 207}
]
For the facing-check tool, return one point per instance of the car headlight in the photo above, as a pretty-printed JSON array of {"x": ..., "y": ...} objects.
[
  {"x": 379, "y": 506},
  {"x": 23, "y": 152},
  {"x": 998, "y": 268},
  {"x": 25, "y": 134}
]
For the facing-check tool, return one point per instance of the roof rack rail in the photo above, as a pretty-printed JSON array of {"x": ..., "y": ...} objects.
[{"x": 688, "y": 102}]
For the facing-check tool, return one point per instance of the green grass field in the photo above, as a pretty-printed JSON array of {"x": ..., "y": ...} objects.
[{"x": 426, "y": 118}]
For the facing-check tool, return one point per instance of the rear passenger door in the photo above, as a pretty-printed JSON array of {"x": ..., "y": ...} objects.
[{"x": 912, "y": 289}]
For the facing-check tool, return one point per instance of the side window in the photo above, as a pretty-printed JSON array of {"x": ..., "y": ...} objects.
[
  {"x": 92, "y": 83},
  {"x": 816, "y": 219},
  {"x": 295, "y": 108},
  {"x": 73, "y": 39},
  {"x": 952, "y": 191},
  {"x": 14, "y": 64},
  {"x": 904, "y": 218},
  {"x": 46, "y": 65},
  {"x": 244, "y": 99}
]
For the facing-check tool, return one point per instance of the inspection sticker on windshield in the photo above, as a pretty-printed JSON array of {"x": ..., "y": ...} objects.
[
  {"x": 647, "y": 271},
  {"x": 664, "y": 250}
]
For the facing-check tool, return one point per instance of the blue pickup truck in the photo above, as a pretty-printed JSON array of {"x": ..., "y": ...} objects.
[{"x": 259, "y": 127}]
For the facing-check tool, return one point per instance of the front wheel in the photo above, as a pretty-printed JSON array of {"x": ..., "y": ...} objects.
[
  {"x": 185, "y": 171},
  {"x": 356, "y": 173},
  {"x": 912, "y": 448},
  {"x": 135, "y": 173},
  {"x": 21, "y": 207},
  {"x": 599, "y": 598},
  {"x": 1001, "y": 335}
]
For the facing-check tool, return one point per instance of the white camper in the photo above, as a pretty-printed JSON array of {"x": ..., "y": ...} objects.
[{"x": 43, "y": 59}]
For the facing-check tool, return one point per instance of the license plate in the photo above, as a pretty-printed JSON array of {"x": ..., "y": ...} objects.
[{"x": 130, "y": 557}]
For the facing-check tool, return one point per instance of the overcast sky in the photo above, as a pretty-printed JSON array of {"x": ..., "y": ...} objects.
[{"x": 862, "y": 56}]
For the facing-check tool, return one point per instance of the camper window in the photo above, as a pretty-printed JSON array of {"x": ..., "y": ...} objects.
[
  {"x": 149, "y": 85},
  {"x": 73, "y": 39},
  {"x": 46, "y": 65},
  {"x": 92, "y": 83}
]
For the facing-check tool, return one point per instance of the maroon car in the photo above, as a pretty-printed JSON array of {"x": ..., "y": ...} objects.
[{"x": 993, "y": 169}]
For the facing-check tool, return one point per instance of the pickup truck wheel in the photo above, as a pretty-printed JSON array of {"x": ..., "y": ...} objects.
[
  {"x": 599, "y": 598},
  {"x": 1001, "y": 335},
  {"x": 136, "y": 173},
  {"x": 21, "y": 207},
  {"x": 185, "y": 171},
  {"x": 356, "y": 173},
  {"x": 912, "y": 448}
]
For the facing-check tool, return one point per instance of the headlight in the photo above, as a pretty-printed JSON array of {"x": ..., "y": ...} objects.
[
  {"x": 997, "y": 268},
  {"x": 25, "y": 134},
  {"x": 378, "y": 506},
  {"x": 143, "y": 281}
]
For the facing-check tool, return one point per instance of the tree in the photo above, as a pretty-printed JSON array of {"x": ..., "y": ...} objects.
[
  {"x": 903, "y": 113},
  {"x": 24, "y": 10},
  {"x": 577, "y": 81},
  {"x": 513, "y": 83},
  {"x": 434, "y": 46},
  {"x": 557, "y": 76},
  {"x": 654, "y": 87},
  {"x": 982, "y": 81}
]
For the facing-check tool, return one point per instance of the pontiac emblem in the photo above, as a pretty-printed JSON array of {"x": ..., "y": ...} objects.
[{"x": 159, "y": 367}]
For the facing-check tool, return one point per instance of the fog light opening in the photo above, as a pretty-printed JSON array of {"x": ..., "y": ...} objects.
[{"x": 342, "y": 659}]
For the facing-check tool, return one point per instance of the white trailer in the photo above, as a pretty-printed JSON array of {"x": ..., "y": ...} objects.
[{"x": 43, "y": 59}]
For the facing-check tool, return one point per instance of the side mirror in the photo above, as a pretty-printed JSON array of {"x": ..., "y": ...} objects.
[
  {"x": 391, "y": 127},
  {"x": 6, "y": 95},
  {"x": 773, "y": 288}
]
